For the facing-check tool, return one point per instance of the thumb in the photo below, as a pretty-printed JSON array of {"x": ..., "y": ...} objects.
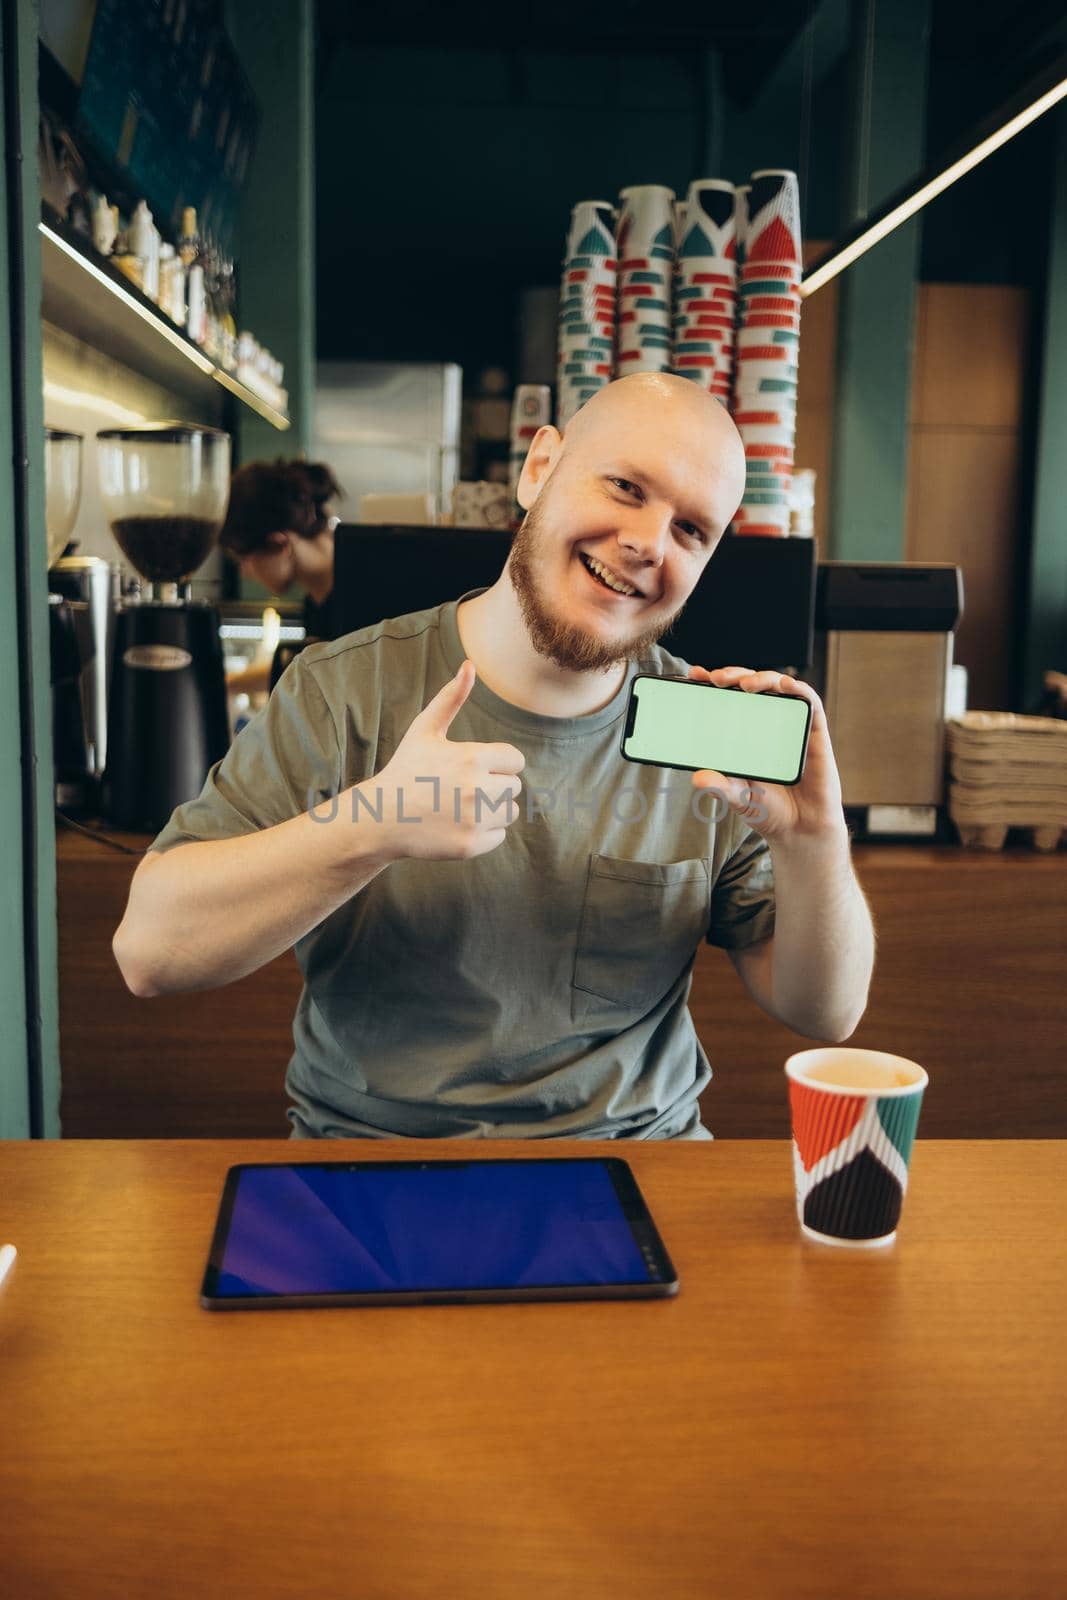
[{"x": 448, "y": 701}]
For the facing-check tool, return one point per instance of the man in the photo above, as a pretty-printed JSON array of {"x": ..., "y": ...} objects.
[{"x": 496, "y": 956}]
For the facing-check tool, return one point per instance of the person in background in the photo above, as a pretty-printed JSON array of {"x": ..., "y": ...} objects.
[{"x": 279, "y": 530}]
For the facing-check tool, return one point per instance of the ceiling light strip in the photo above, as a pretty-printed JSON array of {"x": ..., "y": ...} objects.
[{"x": 899, "y": 211}]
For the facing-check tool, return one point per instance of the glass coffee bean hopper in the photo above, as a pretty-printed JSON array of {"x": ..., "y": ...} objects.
[
  {"x": 164, "y": 490},
  {"x": 62, "y": 488}
]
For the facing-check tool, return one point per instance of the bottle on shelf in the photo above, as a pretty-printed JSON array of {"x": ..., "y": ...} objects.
[
  {"x": 227, "y": 301},
  {"x": 209, "y": 261},
  {"x": 105, "y": 224},
  {"x": 126, "y": 258},
  {"x": 189, "y": 243},
  {"x": 171, "y": 285},
  {"x": 190, "y": 250},
  {"x": 144, "y": 243}
]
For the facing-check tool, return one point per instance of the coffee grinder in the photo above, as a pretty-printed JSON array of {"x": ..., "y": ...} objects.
[
  {"x": 164, "y": 488},
  {"x": 67, "y": 645}
]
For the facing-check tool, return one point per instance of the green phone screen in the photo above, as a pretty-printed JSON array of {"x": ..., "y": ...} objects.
[{"x": 684, "y": 724}]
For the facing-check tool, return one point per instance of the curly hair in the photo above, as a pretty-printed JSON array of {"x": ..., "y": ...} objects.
[{"x": 269, "y": 496}]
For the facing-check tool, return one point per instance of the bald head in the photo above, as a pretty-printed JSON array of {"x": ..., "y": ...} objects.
[
  {"x": 662, "y": 422},
  {"x": 655, "y": 394}
]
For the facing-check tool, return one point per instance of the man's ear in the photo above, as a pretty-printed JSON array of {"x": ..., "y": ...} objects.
[{"x": 545, "y": 449}]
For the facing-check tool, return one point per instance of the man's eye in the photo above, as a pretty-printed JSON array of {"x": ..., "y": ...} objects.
[
  {"x": 687, "y": 527},
  {"x": 625, "y": 485}
]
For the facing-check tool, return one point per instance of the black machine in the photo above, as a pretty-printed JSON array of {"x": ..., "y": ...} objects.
[
  {"x": 164, "y": 490},
  {"x": 754, "y": 605},
  {"x": 167, "y": 719}
]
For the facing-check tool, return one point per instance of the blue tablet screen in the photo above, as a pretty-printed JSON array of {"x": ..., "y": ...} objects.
[{"x": 475, "y": 1225}]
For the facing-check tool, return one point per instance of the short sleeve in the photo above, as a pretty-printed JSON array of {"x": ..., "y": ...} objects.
[
  {"x": 742, "y": 897},
  {"x": 284, "y": 760}
]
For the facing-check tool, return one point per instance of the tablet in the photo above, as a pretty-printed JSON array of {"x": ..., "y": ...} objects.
[{"x": 376, "y": 1233}]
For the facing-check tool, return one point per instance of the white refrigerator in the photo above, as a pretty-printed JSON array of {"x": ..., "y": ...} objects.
[{"x": 389, "y": 427}]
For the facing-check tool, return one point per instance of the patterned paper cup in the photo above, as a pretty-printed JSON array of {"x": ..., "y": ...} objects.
[
  {"x": 709, "y": 269},
  {"x": 710, "y": 228},
  {"x": 772, "y": 232},
  {"x": 592, "y": 229},
  {"x": 646, "y": 225},
  {"x": 778, "y": 275},
  {"x": 855, "y": 1113}
]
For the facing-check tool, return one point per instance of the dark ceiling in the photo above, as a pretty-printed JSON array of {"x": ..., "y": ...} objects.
[
  {"x": 1002, "y": 43},
  {"x": 750, "y": 38}
]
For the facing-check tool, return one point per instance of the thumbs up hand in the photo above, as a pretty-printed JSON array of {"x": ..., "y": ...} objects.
[{"x": 446, "y": 799}]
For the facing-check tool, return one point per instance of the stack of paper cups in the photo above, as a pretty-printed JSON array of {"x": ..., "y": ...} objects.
[
  {"x": 705, "y": 288},
  {"x": 645, "y": 244},
  {"x": 586, "y": 308},
  {"x": 531, "y": 409},
  {"x": 768, "y": 338}
]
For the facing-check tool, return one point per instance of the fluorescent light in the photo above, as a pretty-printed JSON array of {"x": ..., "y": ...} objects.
[
  {"x": 287, "y": 632},
  {"x": 903, "y": 209},
  {"x": 268, "y": 412}
]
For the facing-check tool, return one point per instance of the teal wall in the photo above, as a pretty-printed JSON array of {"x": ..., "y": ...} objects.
[
  {"x": 445, "y": 180},
  {"x": 275, "y": 242},
  {"x": 445, "y": 177},
  {"x": 276, "y": 231},
  {"x": 876, "y": 306},
  {"x": 29, "y": 1057}
]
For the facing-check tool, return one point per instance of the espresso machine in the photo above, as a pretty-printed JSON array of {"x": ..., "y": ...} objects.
[
  {"x": 164, "y": 489},
  {"x": 69, "y": 641}
]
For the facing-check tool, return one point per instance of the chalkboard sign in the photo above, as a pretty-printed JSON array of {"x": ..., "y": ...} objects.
[{"x": 164, "y": 96}]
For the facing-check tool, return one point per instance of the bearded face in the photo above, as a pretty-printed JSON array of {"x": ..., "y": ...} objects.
[{"x": 587, "y": 603}]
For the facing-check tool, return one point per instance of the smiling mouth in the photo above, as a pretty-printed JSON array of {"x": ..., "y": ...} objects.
[{"x": 601, "y": 575}]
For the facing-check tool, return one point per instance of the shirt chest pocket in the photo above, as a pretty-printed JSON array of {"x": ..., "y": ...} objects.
[{"x": 641, "y": 923}]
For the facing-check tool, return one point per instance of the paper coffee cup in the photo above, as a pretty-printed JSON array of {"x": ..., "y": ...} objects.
[{"x": 854, "y": 1113}]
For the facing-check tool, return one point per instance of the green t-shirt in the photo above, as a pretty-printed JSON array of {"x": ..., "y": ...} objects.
[{"x": 537, "y": 991}]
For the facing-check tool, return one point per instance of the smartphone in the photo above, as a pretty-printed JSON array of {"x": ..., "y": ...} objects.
[{"x": 676, "y": 722}]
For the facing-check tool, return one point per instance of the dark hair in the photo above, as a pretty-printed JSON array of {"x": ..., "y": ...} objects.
[{"x": 268, "y": 496}]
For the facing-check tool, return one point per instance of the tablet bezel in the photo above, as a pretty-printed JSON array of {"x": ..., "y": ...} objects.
[{"x": 635, "y": 1208}]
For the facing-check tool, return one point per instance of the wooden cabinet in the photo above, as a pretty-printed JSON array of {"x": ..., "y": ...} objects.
[{"x": 969, "y": 980}]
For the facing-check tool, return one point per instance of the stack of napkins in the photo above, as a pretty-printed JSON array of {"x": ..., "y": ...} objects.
[{"x": 1007, "y": 771}]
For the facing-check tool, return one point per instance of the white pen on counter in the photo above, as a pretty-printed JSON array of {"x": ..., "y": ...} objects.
[{"x": 7, "y": 1259}]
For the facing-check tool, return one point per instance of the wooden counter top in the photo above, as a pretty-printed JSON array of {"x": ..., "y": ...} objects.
[{"x": 799, "y": 1422}]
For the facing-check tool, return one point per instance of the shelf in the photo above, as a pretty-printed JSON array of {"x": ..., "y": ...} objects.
[{"x": 91, "y": 299}]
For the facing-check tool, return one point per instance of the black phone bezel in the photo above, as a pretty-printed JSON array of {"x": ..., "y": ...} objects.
[
  {"x": 635, "y": 1208},
  {"x": 731, "y": 688}
]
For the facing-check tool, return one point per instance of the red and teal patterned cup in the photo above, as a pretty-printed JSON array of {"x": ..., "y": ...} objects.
[{"x": 855, "y": 1113}]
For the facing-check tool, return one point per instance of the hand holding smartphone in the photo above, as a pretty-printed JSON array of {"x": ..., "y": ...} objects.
[{"x": 692, "y": 726}]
